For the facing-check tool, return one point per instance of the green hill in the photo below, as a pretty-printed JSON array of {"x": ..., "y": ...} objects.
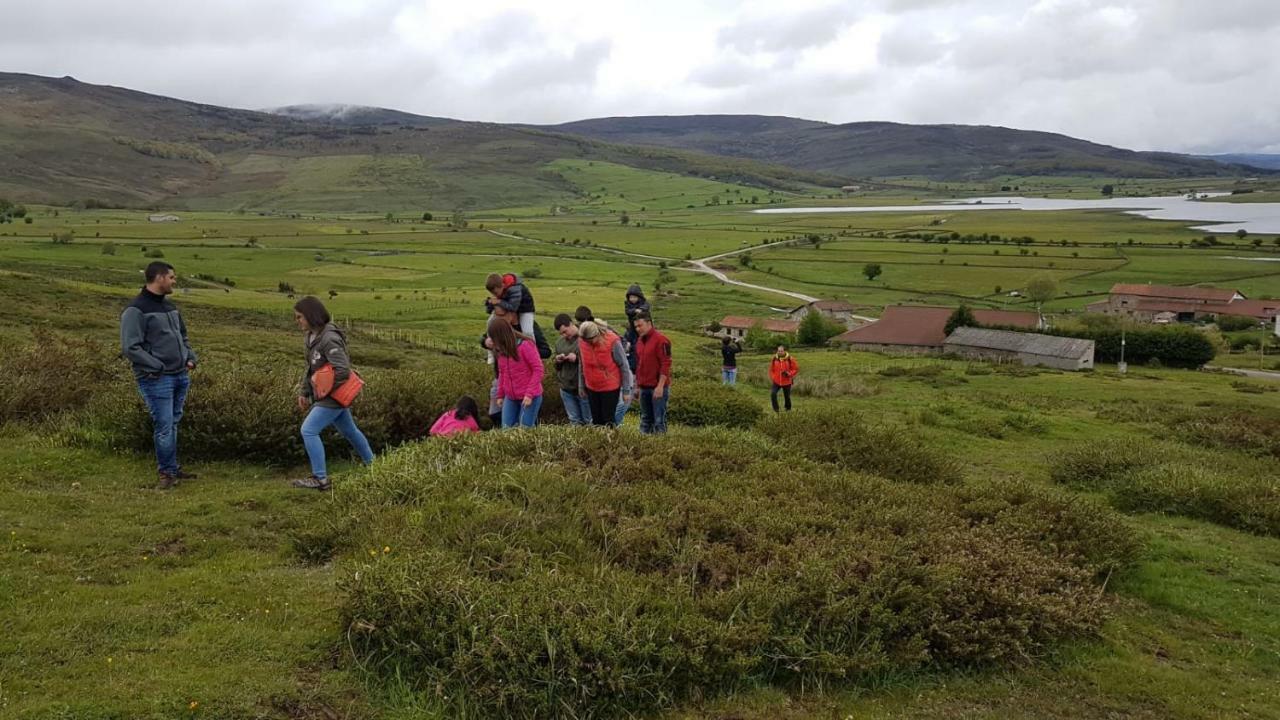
[
  {"x": 885, "y": 149},
  {"x": 66, "y": 141}
]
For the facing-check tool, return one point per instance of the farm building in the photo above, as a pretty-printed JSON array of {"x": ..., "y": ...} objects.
[
  {"x": 838, "y": 310},
  {"x": 1164, "y": 303},
  {"x": 920, "y": 329},
  {"x": 737, "y": 326},
  {"x": 1026, "y": 348},
  {"x": 163, "y": 218}
]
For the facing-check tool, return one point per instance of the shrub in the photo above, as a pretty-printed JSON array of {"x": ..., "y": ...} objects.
[
  {"x": 52, "y": 374},
  {"x": 817, "y": 329},
  {"x": 247, "y": 413},
  {"x": 1142, "y": 476},
  {"x": 155, "y": 253},
  {"x": 237, "y": 413},
  {"x": 1229, "y": 323},
  {"x": 606, "y": 574},
  {"x": 702, "y": 404},
  {"x": 845, "y": 438},
  {"x": 1099, "y": 464},
  {"x": 1247, "y": 503}
]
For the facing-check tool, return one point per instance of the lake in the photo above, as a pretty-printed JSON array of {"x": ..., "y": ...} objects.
[{"x": 1217, "y": 217}]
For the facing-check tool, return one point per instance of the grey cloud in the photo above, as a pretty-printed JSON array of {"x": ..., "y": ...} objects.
[
  {"x": 550, "y": 68},
  {"x": 790, "y": 31}
]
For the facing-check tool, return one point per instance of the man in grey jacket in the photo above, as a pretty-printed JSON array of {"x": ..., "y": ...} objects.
[{"x": 154, "y": 339}]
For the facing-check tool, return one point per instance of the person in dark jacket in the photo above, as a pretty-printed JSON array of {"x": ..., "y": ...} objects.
[
  {"x": 153, "y": 338},
  {"x": 568, "y": 360},
  {"x": 326, "y": 344},
  {"x": 634, "y": 305},
  {"x": 508, "y": 293},
  {"x": 729, "y": 350}
]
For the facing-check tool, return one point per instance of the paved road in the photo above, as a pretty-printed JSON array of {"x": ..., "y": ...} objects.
[
  {"x": 700, "y": 266},
  {"x": 1260, "y": 374}
]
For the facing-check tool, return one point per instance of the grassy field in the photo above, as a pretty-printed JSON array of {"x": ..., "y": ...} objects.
[{"x": 118, "y": 601}]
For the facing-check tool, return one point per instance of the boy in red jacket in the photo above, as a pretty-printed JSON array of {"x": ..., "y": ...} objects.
[
  {"x": 782, "y": 371},
  {"x": 653, "y": 374}
]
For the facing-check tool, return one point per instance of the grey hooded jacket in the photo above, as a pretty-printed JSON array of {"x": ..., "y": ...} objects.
[
  {"x": 329, "y": 345},
  {"x": 153, "y": 337}
]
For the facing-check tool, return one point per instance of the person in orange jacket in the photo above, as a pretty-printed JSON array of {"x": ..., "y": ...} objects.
[{"x": 782, "y": 372}]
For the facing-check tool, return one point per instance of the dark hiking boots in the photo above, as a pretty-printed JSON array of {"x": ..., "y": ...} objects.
[
  {"x": 167, "y": 481},
  {"x": 184, "y": 475},
  {"x": 312, "y": 483}
]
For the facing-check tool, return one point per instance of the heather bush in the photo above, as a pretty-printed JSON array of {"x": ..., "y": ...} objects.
[
  {"x": 574, "y": 572},
  {"x": 248, "y": 413},
  {"x": 845, "y": 438},
  {"x": 1143, "y": 476},
  {"x": 54, "y": 373},
  {"x": 702, "y": 404}
]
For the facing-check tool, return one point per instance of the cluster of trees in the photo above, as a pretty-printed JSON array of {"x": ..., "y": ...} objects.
[{"x": 10, "y": 212}]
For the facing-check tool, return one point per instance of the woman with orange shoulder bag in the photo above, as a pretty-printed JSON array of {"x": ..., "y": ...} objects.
[{"x": 329, "y": 388}]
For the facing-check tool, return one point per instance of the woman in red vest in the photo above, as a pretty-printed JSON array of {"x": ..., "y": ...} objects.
[{"x": 604, "y": 370}]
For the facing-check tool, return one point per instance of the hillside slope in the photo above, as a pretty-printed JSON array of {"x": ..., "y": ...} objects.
[
  {"x": 64, "y": 141},
  {"x": 879, "y": 149}
]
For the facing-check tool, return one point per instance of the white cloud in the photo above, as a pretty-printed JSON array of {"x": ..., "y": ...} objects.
[{"x": 1182, "y": 75}]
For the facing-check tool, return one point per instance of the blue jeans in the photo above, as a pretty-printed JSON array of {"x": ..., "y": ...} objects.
[
  {"x": 165, "y": 395},
  {"x": 322, "y": 417},
  {"x": 729, "y": 376},
  {"x": 623, "y": 407},
  {"x": 577, "y": 408},
  {"x": 653, "y": 411},
  {"x": 515, "y": 413}
]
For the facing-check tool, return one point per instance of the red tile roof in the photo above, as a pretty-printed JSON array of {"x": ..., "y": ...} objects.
[
  {"x": 767, "y": 324},
  {"x": 923, "y": 326},
  {"x": 1207, "y": 294},
  {"x": 1261, "y": 309}
]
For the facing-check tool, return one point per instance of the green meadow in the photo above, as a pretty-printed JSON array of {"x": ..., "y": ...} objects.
[{"x": 1153, "y": 494}]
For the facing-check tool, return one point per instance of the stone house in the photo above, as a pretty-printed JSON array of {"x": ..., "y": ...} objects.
[{"x": 1006, "y": 346}]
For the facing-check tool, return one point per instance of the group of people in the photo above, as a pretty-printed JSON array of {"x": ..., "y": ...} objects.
[{"x": 600, "y": 372}]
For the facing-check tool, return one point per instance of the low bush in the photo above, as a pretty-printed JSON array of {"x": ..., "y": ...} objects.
[
  {"x": 247, "y": 413},
  {"x": 580, "y": 573},
  {"x": 1098, "y": 465},
  {"x": 1143, "y": 476},
  {"x": 702, "y": 404},
  {"x": 1248, "y": 503},
  {"x": 833, "y": 387},
  {"x": 54, "y": 373},
  {"x": 845, "y": 438},
  {"x": 1231, "y": 323}
]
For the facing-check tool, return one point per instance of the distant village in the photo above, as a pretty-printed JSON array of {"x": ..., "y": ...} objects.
[{"x": 921, "y": 329}]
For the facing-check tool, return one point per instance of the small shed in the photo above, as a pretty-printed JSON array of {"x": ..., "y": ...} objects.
[{"x": 1027, "y": 348}]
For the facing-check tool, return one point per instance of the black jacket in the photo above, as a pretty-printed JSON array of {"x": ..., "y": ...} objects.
[{"x": 153, "y": 336}]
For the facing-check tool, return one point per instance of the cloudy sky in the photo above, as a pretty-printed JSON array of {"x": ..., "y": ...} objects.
[{"x": 1183, "y": 75}]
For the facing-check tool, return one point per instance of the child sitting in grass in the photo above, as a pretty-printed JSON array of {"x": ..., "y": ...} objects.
[{"x": 461, "y": 419}]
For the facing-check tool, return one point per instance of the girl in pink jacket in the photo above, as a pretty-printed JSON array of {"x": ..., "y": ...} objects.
[
  {"x": 519, "y": 375},
  {"x": 461, "y": 419}
]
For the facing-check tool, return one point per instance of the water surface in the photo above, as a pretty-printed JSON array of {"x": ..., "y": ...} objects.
[{"x": 1217, "y": 217}]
